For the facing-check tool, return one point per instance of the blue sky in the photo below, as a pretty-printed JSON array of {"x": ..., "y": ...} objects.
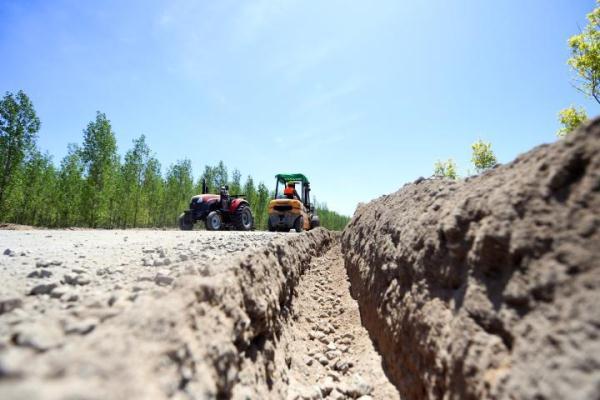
[{"x": 360, "y": 96}]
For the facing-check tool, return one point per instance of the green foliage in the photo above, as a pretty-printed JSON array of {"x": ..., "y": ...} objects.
[
  {"x": 131, "y": 182},
  {"x": 260, "y": 208},
  {"x": 585, "y": 56},
  {"x": 570, "y": 118},
  {"x": 69, "y": 186},
  {"x": 92, "y": 187},
  {"x": 483, "y": 157},
  {"x": 178, "y": 191},
  {"x": 235, "y": 186},
  {"x": 19, "y": 125},
  {"x": 445, "y": 169},
  {"x": 100, "y": 160},
  {"x": 330, "y": 219}
]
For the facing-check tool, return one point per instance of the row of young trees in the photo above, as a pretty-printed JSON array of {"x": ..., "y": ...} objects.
[
  {"x": 94, "y": 187},
  {"x": 585, "y": 62},
  {"x": 482, "y": 158}
]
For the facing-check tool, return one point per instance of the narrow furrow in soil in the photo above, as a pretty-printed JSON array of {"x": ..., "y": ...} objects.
[{"x": 330, "y": 354}]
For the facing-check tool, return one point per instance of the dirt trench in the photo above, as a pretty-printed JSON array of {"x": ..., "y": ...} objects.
[
  {"x": 329, "y": 352},
  {"x": 199, "y": 317}
]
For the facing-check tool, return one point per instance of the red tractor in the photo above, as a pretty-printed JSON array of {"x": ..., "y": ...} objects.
[{"x": 218, "y": 211}]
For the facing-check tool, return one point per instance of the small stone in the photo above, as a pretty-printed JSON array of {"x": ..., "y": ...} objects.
[
  {"x": 311, "y": 393},
  {"x": 46, "y": 263},
  {"x": 324, "y": 340},
  {"x": 308, "y": 361},
  {"x": 9, "y": 304},
  {"x": 336, "y": 395},
  {"x": 158, "y": 263},
  {"x": 333, "y": 354},
  {"x": 163, "y": 280},
  {"x": 39, "y": 336},
  {"x": 81, "y": 327},
  {"x": 327, "y": 386},
  {"x": 44, "y": 288},
  {"x": 358, "y": 387},
  {"x": 39, "y": 273},
  {"x": 342, "y": 366},
  {"x": 316, "y": 335},
  {"x": 147, "y": 262},
  {"x": 331, "y": 346},
  {"x": 10, "y": 253},
  {"x": 75, "y": 279}
]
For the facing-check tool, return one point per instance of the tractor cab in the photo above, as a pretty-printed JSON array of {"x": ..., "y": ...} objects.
[{"x": 290, "y": 207}]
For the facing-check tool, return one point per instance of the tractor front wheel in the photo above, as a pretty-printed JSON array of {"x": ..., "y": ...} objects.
[
  {"x": 243, "y": 218},
  {"x": 213, "y": 221},
  {"x": 299, "y": 224}
]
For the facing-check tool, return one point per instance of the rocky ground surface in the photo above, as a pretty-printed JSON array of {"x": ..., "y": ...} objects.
[
  {"x": 144, "y": 314},
  {"x": 79, "y": 278},
  {"x": 487, "y": 287},
  {"x": 330, "y": 352}
]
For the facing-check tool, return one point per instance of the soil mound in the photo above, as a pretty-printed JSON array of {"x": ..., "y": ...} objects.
[{"x": 487, "y": 287}]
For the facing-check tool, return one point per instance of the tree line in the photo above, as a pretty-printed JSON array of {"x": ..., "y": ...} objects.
[{"x": 93, "y": 187}]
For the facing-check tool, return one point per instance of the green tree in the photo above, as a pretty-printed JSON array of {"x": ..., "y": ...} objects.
[
  {"x": 220, "y": 175},
  {"x": 36, "y": 204},
  {"x": 100, "y": 160},
  {"x": 250, "y": 190},
  {"x": 19, "y": 125},
  {"x": 330, "y": 219},
  {"x": 132, "y": 179},
  {"x": 70, "y": 185},
  {"x": 585, "y": 56},
  {"x": 445, "y": 169},
  {"x": 260, "y": 210},
  {"x": 153, "y": 189},
  {"x": 570, "y": 118},
  {"x": 235, "y": 186},
  {"x": 179, "y": 189},
  {"x": 209, "y": 176},
  {"x": 483, "y": 157}
]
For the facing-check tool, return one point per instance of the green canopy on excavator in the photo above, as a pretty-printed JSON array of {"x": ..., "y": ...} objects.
[{"x": 291, "y": 178}]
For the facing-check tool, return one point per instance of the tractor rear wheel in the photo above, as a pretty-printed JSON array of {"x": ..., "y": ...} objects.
[
  {"x": 299, "y": 224},
  {"x": 270, "y": 226},
  {"x": 184, "y": 223},
  {"x": 242, "y": 219},
  {"x": 213, "y": 221}
]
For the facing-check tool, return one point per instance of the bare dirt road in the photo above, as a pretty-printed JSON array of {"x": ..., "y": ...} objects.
[{"x": 170, "y": 314}]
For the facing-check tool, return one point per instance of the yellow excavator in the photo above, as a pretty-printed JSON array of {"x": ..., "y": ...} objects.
[{"x": 290, "y": 207}]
